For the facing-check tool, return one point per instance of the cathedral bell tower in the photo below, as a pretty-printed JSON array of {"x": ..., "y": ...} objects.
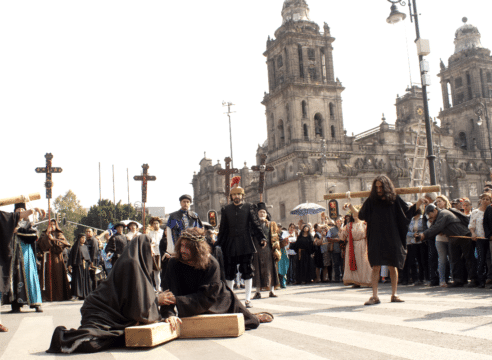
[
  {"x": 304, "y": 103},
  {"x": 467, "y": 90}
]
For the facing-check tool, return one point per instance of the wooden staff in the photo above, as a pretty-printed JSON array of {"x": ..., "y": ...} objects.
[
  {"x": 19, "y": 199},
  {"x": 466, "y": 237},
  {"x": 399, "y": 191}
]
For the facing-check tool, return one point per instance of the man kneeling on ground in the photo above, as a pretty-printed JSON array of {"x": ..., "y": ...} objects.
[{"x": 193, "y": 286}]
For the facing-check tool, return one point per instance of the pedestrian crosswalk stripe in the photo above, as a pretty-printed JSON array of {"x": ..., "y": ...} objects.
[
  {"x": 258, "y": 348},
  {"x": 379, "y": 343},
  {"x": 31, "y": 331}
]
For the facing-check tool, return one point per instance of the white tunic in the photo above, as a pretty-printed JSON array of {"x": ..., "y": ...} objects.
[{"x": 155, "y": 237}]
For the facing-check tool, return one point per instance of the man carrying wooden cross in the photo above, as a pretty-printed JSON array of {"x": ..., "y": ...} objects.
[{"x": 387, "y": 217}]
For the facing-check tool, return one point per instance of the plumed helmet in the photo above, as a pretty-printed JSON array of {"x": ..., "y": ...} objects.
[{"x": 235, "y": 188}]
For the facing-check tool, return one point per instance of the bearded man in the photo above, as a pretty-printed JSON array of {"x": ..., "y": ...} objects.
[
  {"x": 237, "y": 221},
  {"x": 265, "y": 261},
  {"x": 387, "y": 217},
  {"x": 193, "y": 286}
]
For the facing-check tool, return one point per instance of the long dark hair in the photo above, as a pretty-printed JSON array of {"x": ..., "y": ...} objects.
[
  {"x": 200, "y": 250},
  {"x": 389, "y": 193}
]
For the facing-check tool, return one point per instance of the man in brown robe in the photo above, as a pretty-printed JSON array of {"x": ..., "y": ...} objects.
[
  {"x": 268, "y": 254},
  {"x": 53, "y": 276}
]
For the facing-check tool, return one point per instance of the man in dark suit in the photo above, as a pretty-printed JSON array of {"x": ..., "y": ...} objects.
[{"x": 237, "y": 222}]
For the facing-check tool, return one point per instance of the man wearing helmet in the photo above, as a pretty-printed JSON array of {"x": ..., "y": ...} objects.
[{"x": 237, "y": 222}]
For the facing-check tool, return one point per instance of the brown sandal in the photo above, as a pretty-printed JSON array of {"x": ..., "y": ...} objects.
[
  {"x": 3, "y": 328},
  {"x": 372, "y": 301},
  {"x": 395, "y": 298},
  {"x": 264, "y": 317}
]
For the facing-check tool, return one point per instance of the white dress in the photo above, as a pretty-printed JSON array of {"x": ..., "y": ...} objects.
[{"x": 361, "y": 276}]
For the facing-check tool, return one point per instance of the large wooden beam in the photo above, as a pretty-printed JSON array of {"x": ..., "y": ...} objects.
[
  {"x": 150, "y": 335},
  {"x": 19, "y": 199},
  {"x": 399, "y": 191},
  {"x": 212, "y": 326}
]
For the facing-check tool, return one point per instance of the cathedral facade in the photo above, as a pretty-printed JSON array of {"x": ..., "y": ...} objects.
[{"x": 312, "y": 154}]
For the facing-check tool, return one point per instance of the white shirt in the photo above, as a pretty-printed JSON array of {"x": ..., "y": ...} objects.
[
  {"x": 131, "y": 235},
  {"x": 476, "y": 222},
  {"x": 155, "y": 237}
]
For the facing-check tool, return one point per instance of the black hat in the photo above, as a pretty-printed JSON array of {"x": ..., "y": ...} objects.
[
  {"x": 119, "y": 224},
  {"x": 429, "y": 208},
  {"x": 20, "y": 206},
  {"x": 131, "y": 222},
  {"x": 262, "y": 206},
  {"x": 183, "y": 197}
]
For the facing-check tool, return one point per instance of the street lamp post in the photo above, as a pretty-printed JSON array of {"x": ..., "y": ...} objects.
[
  {"x": 423, "y": 49},
  {"x": 479, "y": 112}
]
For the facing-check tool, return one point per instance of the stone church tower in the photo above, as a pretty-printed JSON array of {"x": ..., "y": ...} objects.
[
  {"x": 467, "y": 90},
  {"x": 304, "y": 102}
]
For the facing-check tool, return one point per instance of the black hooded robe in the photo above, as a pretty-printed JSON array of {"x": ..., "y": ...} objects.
[
  {"x": 8, "y": 223},
  {"x": 201, "y": 292},
  {"x": 304, "y": 248},
  {"x": 387, "y": 226},
  {"x": 125, "y": 298},
  {"x": 80, "y": 260}
]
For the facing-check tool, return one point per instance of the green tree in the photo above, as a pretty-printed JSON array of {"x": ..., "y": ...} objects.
[
  {"x": 68, "y": 207},
  {"x": 106, "y": 212}
]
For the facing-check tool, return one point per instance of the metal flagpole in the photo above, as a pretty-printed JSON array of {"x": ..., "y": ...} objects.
[{"x": 99, "y": 182}]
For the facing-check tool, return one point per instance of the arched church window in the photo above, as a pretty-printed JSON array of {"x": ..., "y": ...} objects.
[
  {"x": 280, "y": 62},
  {"x": 289, "y": 135},
  {"x": 311, "y": 54},
  {"x": 318, "y": 125},
  {"x": 333, "y": 135},
  {"x": 306, "y": 133},
  {"x": 450, "y": 94},
  {"x": 462, "y": 141},
  {"x": 304, "y": 108},
  {"x": 323, "y": 65},
  {"x": 332, "y": 111},
  {"x": 281, "y": 133}
]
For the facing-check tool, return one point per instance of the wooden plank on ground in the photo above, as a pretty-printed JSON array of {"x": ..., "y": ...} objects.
[
  {"x": 150, "y": 335},
  {"x": 212, "y": 326}
]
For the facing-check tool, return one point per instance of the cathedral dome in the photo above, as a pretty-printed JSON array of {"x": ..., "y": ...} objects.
[
  {"x": 295, "y": 10},
  {"x": 466, "y": 37}
]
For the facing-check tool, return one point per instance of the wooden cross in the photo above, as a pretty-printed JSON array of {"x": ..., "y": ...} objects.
[
  {"x": 262, "y": 169},
  {"x": 144, "y": 178},
  {"x": 48, "y": 170},
  {"x": 227, "y": 172}
]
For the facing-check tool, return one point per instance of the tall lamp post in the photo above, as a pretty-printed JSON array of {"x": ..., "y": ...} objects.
[
  {"x": 479, "y": 112},
  {"x": 422, "y": 49}
]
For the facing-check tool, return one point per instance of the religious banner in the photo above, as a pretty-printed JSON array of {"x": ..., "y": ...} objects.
[
  {"x": 212, "y": 218},
  {"x": 333, "y": 209}
]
